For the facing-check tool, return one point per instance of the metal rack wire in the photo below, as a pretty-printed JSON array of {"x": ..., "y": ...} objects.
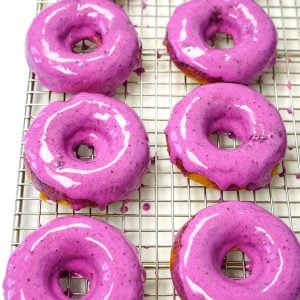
[{"x": 174, "y": 199}]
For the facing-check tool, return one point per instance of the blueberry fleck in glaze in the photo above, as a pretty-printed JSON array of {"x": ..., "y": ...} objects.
[
  {"x": 55, "y": 31},
  {"x": 86, "y": 246},
  {"x": 201, "y": 245},
  {"x": 111, "y": 127},
  {"x": 226, "y": 107},
  {"x": 195, "y": 22}
]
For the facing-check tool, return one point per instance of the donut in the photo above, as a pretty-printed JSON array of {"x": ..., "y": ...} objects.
[
  {"x": 107, "y": 125},
  {"x": 203, "y": 242},
  {"x": 58, "y": 28},
  {"x": 221, "y": 108},
  {"x": 81, "y": 245},
  {"x": 195, "y": 22}
]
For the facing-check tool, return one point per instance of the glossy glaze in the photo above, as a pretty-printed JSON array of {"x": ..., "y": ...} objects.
[
  {"x": 227, "y": 107},
  {"x": 194, "y": 22},
  {"x": 57, "y": 28},
  {"x": 201, "y": 245},
  {"x": 85, "y": 246},
  {"x": 111, "y": 127}
]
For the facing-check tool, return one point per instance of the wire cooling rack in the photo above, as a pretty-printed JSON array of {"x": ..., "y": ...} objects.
[{"x": 170, "y": 198}]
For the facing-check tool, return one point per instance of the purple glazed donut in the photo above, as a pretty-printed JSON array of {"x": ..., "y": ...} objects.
[
  {"x": 220, "y": 108},
  {"x": 195, "y": 22},
  {"x": 85, "y": 246},
  {"x": 109, "y": 126},
  {"x": 202, "y": 244},
  {"x": 55, "y": 31}
]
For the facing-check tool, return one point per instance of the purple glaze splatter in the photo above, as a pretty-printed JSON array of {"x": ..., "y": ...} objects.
[
  {"x": 260, "y": 80},
  {"x": 283, "y": 172},
  {"x": 144, "y": 4},
  {"x": 146, "y": 206},
  {"x": 288, "y": 85},
  {"x": 139, "y": 71},
  {"x": 153, "y": 159},
  {"x": 126, "y": 93},
  {"x": 290, "y": 110},
  {"x": 124, "y": 209}
]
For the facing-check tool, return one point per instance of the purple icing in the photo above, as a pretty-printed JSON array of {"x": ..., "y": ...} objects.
[
  {"x": 111, "y": 127},
  {"x": 226, "y": 107},
  {"x": 59, "y": 27},
  {"x": 201, "y": 245},
  {"x": 254, "y": 34},
  {"x": 85, "y": 246}
]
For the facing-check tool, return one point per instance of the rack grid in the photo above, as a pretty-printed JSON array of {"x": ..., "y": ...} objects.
[{"x": 173, "y": 199}]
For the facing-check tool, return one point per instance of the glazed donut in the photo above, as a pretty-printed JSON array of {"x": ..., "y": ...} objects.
[
  {"x": 57, "y": 29},
  {"x": 195, "y": 22},
  {"x": 220, "y": 108},
  {"x": 109, "y": 126},
  {"x": 85, "y": 246},
  {"x": 202, "y": 244}
]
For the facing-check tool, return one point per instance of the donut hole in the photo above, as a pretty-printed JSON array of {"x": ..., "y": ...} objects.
[
  {"x": 225, "y": 140},
  {"x": 236, "y": 265},
  {"x": 220, "y": 40},
  {"x": 85, "y": 46},
  {"x": 81, "y": 37},
  {"x": 84, "y": 152},
  {"x": 73, "y": 285},
  {"x": 220, "y": 32},
  {"x": 228, "y": 128},
  {"x": 86, "y": 145}
]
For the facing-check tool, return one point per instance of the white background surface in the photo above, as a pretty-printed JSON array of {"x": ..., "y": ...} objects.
[{"x": 15, "y": 18}]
